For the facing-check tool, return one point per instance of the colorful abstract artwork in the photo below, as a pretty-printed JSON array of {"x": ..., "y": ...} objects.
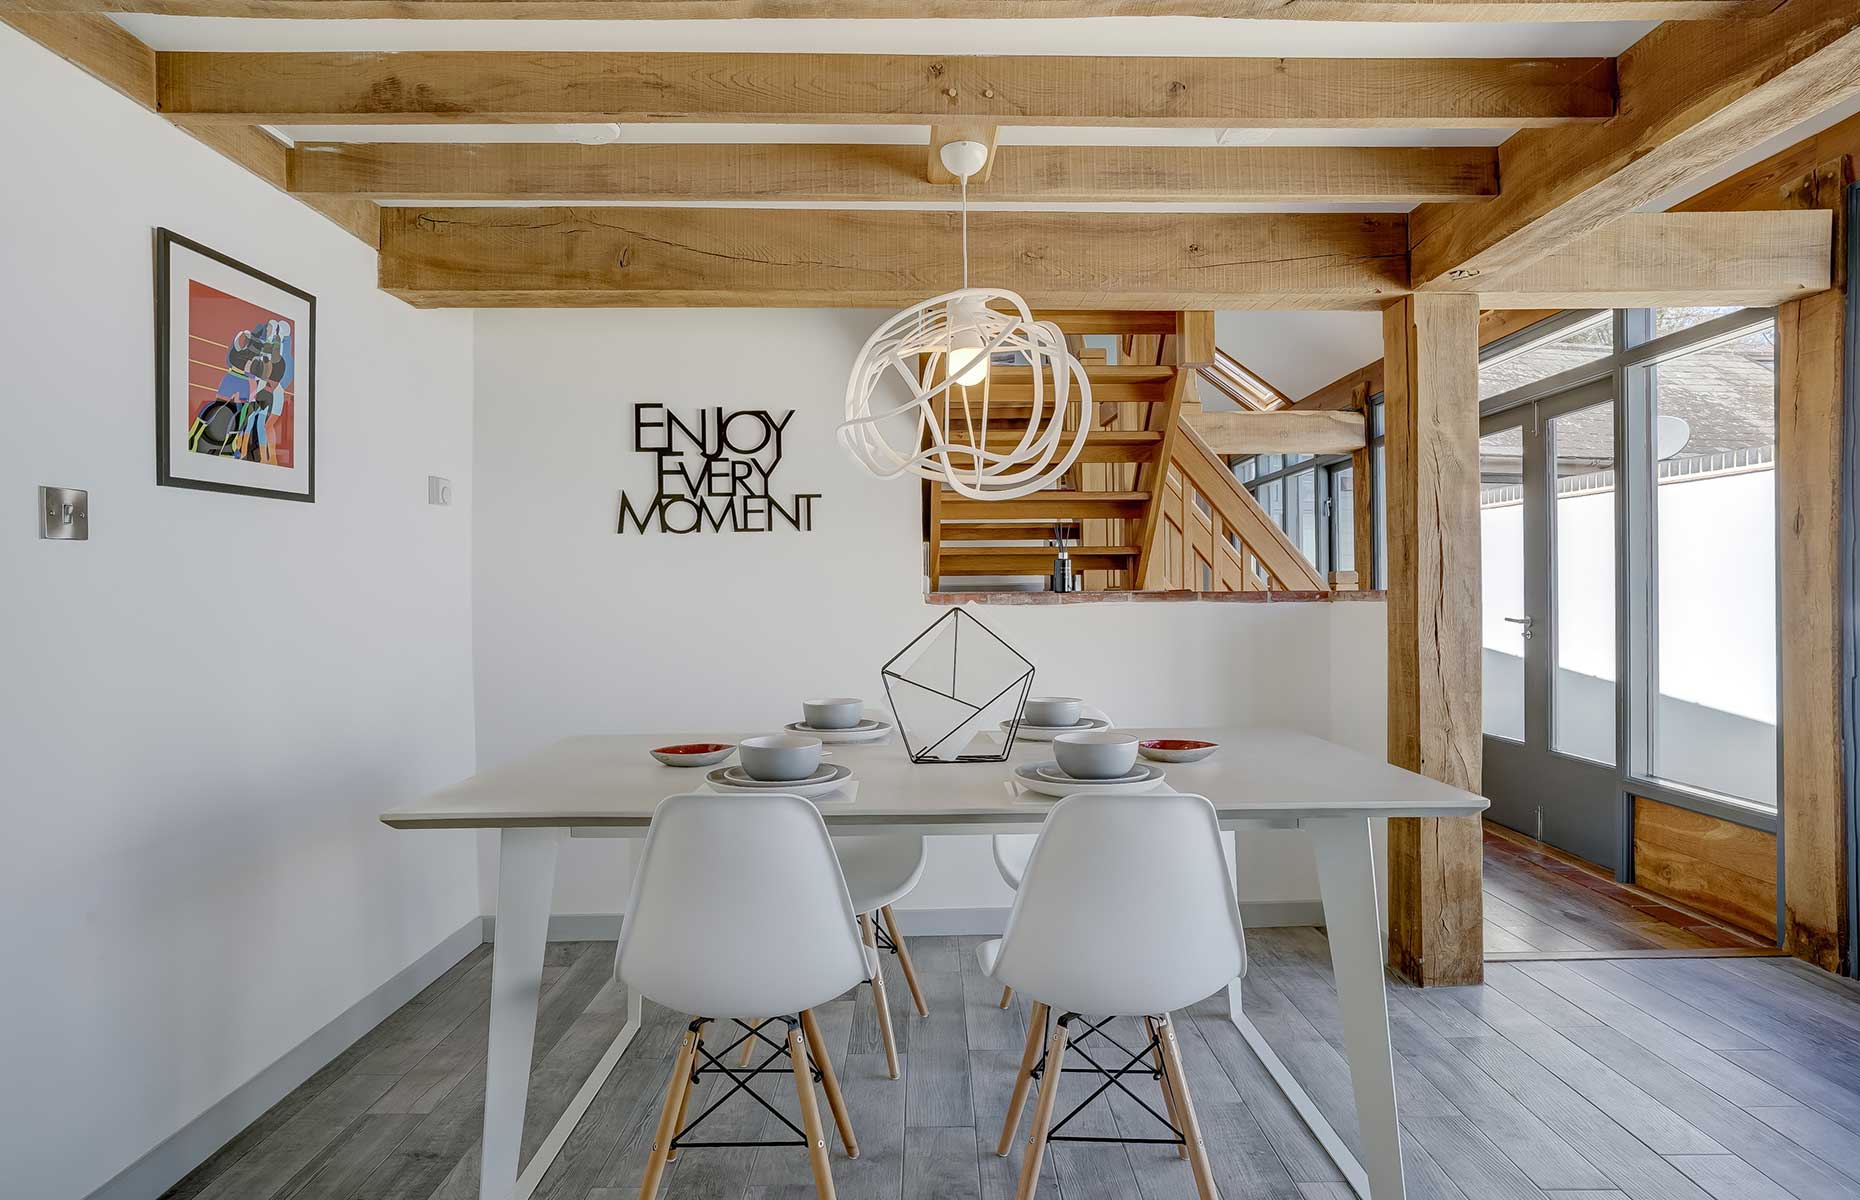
[{"x": 234, "y": 384}]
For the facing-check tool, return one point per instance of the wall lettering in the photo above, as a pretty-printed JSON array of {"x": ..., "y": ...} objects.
[{"x": 713, "y": 472}]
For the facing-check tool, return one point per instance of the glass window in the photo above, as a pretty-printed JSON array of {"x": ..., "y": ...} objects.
[
  {"x": 1672, "y": 320},
  {"x": 1246, "y": 470},
  {"x": 1343, "y": 520},
  {"x": 1714, "y": 720},
  {"x": 1501, "y": 575},
  {"x": 1379, "y": 499},
  {"x": 1268, "y": 463},
  {"x": 1305, "y": 524},
  {"x": 1593, "y": 339},
  {"x": 1582, "y": 529},
  {"x": 1271, "y": 497}
]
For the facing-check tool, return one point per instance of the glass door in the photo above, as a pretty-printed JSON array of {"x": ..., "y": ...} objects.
[{"x": 1547, "y": 539}]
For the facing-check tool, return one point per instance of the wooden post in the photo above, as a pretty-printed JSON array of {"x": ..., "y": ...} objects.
[
  {"x": 1431, "y": 396},
  {"x": 1810, "y": 354},
  {"x": 1363, "y": 495}
]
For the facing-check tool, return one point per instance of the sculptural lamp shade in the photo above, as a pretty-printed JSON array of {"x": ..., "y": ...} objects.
[{"x": 943, "y": 350}]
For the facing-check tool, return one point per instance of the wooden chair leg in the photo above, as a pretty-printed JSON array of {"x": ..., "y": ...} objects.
[
  {"x": 1007, "y": 996},
  {"x": 1043, "y": 1114},
  {"x": 879, "y": 999},
  {"x": 750, "y": 1043},
  {"x": 904, "y": 960},
  {"x": 1185, "y": 1111},
  {"x": 810, "y": 1114},
  {"x": 1036, "y": 1034},
  {"x": 684, "y": 1100},
  {"x": 831, "y": 1082},
  {"x": 1168, "y": 1092},
  {"x": 668, "y": 1117}
]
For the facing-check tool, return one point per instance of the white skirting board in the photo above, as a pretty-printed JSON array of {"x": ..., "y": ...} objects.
[
  {"x": 931, "y": 922},
  {"x": 159, "y": 1169}
]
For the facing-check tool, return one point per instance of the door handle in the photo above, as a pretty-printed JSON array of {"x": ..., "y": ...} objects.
[{"x": 1527, "y": 622}]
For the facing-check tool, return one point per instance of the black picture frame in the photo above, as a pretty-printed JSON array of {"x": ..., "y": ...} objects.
[{"x": 165, "y": 241}]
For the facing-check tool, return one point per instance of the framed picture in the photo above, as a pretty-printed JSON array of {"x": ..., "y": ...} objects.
[{"x": 235, "y": 376}]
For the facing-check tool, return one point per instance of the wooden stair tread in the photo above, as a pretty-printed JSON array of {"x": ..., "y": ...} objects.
[
  {"x": 1003, "y": 531},
  {"x": 1048, "y": 551},
  {"x": 1049, "y": 496},
  {"x": 1109, "y": 373}
]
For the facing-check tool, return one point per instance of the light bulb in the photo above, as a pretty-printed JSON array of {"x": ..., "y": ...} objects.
[{"x": 968, "y": 365}]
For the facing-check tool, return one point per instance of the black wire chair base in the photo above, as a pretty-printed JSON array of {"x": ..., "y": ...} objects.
[
  {"x": 1141, "y": 1062},
  {"x": 740, "y": 1080}
]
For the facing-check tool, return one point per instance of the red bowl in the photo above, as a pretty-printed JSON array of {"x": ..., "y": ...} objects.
[
  {"x": 1174, "y": 744},
  {"x": 694, "y": 748}
]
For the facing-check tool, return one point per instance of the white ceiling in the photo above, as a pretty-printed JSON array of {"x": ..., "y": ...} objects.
[
  {"x": 896, "y": 135},
  {"x": 1201, "y": 36}
]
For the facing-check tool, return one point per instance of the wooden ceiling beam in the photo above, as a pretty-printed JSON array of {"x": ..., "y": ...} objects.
[
  {"x": 682, "y": 173},
  {"x": 449, "y": 87},
  {"x": 1645, "y": 260},
  {"x": 1287, "y": 431},
  {"x": 681, "y": 10},
  {"x": 1693, "y": 97},
  {"x": 591, "y": 257}
]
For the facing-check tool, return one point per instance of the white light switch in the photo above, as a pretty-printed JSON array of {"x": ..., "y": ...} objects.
[{"x": 439, "y": 491}]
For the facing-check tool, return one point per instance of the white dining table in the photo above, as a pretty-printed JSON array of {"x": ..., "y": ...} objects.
[{"x": 608, "y": 786}]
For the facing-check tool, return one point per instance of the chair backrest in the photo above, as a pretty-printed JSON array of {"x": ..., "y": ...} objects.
[
  {"x": 1126, "y": 909},
  {"x": 739, "y": 909}
]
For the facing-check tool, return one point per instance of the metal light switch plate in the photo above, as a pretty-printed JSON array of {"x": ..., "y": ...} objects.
[{"x": 64, "y": 514}]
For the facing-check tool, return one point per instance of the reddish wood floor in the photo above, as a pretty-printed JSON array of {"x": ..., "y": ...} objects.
[{"x": 1541, "y": 901}]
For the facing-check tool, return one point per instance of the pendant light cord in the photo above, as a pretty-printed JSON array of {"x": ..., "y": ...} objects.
[{"x": 965, "y": 233}]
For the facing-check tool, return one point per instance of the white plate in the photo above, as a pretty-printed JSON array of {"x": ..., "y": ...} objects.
[
  {"x": 830, "y": 777},
  {"x": 1028, "y": 776},
  {"x": 868, "y": 730},
  {"x": 736, "y": 776},
  {"x": 1051, "y": 771},
  {"x": 1046, "y": 733}
]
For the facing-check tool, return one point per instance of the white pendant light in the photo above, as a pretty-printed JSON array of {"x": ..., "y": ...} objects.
[{"x": 957, "y": 336}]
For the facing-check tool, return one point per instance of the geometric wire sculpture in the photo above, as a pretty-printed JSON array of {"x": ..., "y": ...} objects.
[
  {"x": 954, "y": 336},
  {"x": 949, "y": 685}
]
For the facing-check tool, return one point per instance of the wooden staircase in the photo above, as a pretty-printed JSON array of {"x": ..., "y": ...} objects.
[{"x": 1147, "y": 506}]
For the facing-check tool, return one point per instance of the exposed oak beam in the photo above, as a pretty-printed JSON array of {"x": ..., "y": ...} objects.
[
  {"x": 1645, "y": 260},
  {"x": 1283, "y": 432},
  {"x": 443, "y": 87},
  {"x": 787, "y": 257},
  {"x": 634, "y": 10},
  {"x": 680, "y": 173},
  {"x": 1693, "y": 95}
]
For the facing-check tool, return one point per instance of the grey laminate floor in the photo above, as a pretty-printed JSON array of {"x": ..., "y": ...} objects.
[{"x": 1722, "y": 1079}]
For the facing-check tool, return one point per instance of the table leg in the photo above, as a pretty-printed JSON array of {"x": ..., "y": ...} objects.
[
  {"x": 1347, "y": 882},
  {"x": 525, "y": 882}
]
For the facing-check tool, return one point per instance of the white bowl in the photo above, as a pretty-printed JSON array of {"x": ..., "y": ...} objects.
[
  {"x": 837, "y": 712},
  {"x": 1052, "y": 712},
  {"x": 1102, "y": 755},
  {"x": 779, "y": 757}
]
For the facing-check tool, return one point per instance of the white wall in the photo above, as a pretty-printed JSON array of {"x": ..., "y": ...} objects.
[
  {"x": 580, "y": 629},
  {"x": 206, "y": 705},
  {"x": 1300, "y": 352}
]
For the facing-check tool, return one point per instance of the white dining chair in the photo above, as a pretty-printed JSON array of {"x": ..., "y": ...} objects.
[
  {"x": 738, "y": 911},
  {"x": 880, "y": 870},
  {"x": 1012, "y": 850},
  {"x": 1126, "y": 909}
]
